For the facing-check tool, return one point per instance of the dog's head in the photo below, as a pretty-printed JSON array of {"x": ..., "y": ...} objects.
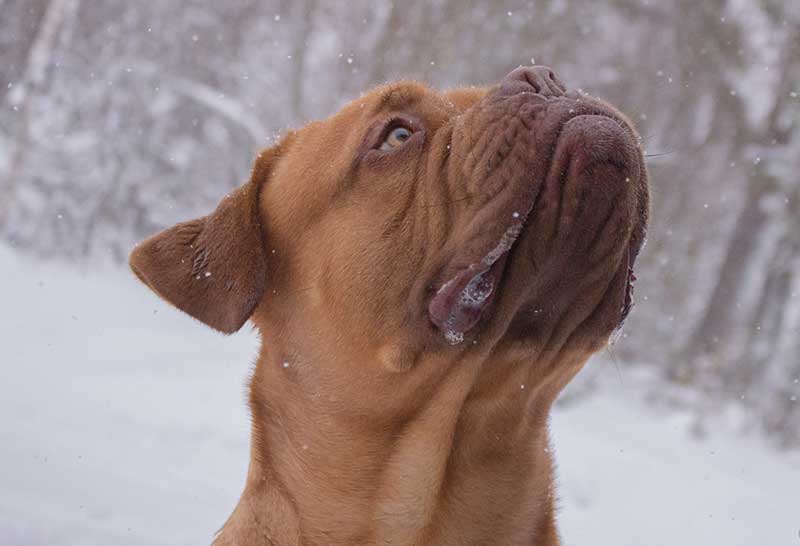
[{"x": 412, "y": 222}]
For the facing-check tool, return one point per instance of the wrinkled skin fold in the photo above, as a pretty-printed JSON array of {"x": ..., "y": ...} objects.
[{"x": 427, "y": 271}]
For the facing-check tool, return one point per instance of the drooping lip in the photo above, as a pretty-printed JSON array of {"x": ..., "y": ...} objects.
[{"x": 458, "y": 304}]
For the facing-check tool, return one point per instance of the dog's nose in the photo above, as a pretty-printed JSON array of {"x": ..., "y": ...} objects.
[{"x": 532, "y": 79}]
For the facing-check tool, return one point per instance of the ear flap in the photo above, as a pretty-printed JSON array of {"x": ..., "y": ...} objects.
[{"x": 213, "y": 268}]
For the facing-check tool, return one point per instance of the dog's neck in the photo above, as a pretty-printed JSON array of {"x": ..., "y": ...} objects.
[{"x": 469, "y": 465}]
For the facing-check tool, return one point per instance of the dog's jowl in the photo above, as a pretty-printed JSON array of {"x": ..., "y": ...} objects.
[{"x": 427, "y": 271}]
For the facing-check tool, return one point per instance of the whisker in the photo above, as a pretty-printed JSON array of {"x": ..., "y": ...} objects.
[{"x": 615, "y": 360}]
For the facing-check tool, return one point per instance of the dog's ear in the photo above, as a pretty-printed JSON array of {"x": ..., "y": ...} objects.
[{"x": 213, "y": 268}]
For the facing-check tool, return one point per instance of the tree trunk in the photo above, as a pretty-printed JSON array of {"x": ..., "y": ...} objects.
[
  {"x": 378, "y": 73},
  {"x": 713, "y": 331},
  {"x": 23, "y": 98},
  {"x": 767, "y": 324},
  {"x": 299, "y": 54}
]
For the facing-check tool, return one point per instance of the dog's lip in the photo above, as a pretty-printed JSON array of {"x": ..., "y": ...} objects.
[{"x": 457, "y": 305}]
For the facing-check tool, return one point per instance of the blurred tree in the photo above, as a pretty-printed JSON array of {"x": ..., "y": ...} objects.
[
  {"x": 118, "y": 118},
  {"x": 33, "y": 79}
]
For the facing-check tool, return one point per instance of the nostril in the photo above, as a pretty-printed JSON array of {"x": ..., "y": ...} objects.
[
  {"x": 556, "y": 82},
  {"x": 532, "y": 79}
]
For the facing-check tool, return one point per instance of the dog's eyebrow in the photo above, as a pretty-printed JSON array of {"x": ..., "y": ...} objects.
[{"x": 396, "y": 98}]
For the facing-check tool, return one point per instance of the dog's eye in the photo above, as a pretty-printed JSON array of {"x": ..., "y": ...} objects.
[{"x": 396, "y": 138}]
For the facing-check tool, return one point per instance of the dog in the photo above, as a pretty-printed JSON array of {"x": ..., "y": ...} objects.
[{"x": 427, "y": 271}]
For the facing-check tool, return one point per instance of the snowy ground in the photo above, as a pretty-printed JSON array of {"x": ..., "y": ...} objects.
[{"x": 123, "y": 423}]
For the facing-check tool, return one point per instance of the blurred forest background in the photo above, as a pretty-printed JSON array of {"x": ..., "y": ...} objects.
[{"x": 119, "y": 118}]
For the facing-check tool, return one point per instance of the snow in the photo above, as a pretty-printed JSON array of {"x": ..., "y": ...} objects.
[
  {"x": 633, "y": 475},
  {"x": 124, "y": 423}
]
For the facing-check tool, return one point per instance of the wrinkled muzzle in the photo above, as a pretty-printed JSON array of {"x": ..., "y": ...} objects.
[{"x": 549, "y": 177}]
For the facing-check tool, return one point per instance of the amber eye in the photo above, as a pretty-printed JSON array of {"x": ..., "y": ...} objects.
[{"x": 396, "y": 138}]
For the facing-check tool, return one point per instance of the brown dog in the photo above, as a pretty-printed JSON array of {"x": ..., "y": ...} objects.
[{"x": 427, "y": 271}]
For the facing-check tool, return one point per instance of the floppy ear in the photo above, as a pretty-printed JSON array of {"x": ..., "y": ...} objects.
[{"x": 213, "y": 268}]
